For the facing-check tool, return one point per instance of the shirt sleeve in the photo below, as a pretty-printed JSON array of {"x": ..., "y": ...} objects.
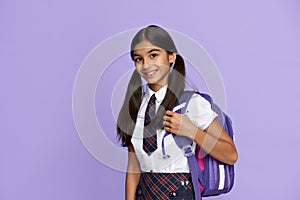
[{"x": 199, "y": 111}]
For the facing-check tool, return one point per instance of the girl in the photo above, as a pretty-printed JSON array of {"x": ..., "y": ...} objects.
[{"x": 146, "y": 115}]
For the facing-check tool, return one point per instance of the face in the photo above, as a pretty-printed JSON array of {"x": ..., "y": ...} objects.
[{"x": 153, "y": 64}]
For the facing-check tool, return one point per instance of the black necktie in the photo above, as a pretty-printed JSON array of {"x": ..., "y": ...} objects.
[{"x": 149, "y": 139}]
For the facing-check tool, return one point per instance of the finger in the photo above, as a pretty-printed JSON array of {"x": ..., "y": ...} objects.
[
  {"x": 170, "y": 113},
  {"x": 172, "y": 121},
  {"x": 167, "y": 124},
  {"x": 168, "y": 129},
  {"x": 171, "y": 125},
  {"x": 167, "y": 118},
  {"x": 171, "y": 130},
  {"x": 173, "y": 115}
]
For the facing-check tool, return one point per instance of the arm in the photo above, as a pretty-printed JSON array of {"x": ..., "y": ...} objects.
[
  {"x": 132, "y": 174},
  {"x": 214, "y": 140}
]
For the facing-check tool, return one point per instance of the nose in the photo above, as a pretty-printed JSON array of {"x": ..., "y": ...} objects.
[{"x": 146, "y": 62}]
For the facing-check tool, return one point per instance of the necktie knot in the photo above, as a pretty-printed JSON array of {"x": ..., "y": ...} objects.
[
  {"x": 150, "y": 110},
  {"x": 153, "y": 98}
]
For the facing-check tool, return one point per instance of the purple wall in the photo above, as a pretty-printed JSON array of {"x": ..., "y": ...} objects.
[{"x": 254, "y": 44}]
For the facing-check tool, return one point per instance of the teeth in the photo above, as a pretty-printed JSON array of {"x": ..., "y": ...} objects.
[{"x": 151, "y": 72}]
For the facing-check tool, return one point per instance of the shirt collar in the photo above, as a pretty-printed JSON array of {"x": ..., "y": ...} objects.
[{"x": 159, "y": 95}]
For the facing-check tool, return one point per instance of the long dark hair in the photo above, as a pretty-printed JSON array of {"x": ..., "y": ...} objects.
[{"x": 133, "y": 98}]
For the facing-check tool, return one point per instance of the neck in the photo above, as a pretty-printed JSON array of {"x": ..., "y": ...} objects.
[{"x": 155, "y": 87}]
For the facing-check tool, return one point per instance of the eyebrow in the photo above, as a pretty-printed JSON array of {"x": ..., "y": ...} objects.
[{"x": 147, "y": 52}]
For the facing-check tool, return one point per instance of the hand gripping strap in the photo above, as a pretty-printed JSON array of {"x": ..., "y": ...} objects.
[{"x": 180, "y": 141}]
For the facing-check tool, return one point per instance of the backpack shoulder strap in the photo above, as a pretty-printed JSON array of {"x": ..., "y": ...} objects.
[{"x": 185, "y": 144}]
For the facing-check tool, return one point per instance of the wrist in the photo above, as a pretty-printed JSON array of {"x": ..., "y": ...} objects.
[{"x": 193, "y": 132}]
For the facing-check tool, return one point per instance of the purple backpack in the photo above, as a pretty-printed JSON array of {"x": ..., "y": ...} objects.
[{"x": 210, "y": 177}]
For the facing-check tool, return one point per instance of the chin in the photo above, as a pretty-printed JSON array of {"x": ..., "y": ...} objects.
[{"x": 151, "y": 80}]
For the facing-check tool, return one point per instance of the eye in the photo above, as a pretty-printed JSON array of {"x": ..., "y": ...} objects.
[
  {"x": 153, "y": 55},
  {"x": 137, "y": 59}
]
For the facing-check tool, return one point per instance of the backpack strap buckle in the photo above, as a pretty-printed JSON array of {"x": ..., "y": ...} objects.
[{"x": 187, "y": 149}]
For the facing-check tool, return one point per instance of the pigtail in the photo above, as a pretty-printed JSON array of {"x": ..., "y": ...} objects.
[
  {"x": 128, "y": 113},
  {"x": 177, "y": 78}
]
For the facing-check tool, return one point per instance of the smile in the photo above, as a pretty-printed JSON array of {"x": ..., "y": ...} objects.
[{"x": 150, "y": 73}]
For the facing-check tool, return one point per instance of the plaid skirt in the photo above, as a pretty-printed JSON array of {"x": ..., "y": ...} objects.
[{"x": 161, "y": 186}]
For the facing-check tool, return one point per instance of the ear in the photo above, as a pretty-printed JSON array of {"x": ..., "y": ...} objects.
[{"x": 172, "y": 57}]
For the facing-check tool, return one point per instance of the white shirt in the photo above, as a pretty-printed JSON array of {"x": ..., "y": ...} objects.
[{"x": 200, "y": 113}]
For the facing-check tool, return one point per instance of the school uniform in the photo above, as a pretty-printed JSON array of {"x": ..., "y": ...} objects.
[{"x": 167, "y": 178}]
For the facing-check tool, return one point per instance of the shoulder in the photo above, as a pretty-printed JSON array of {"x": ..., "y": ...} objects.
[
  {"x": 199, "y": 101},
  {"x": 199, "y": 111}
]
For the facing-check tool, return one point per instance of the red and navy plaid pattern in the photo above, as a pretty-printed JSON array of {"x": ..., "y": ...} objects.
[
  {"x": 149, "y": 139},
  {"x": 162, "y": 186}
]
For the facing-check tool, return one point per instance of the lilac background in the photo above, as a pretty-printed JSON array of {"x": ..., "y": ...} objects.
[{"x": 255, "y": 45}]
